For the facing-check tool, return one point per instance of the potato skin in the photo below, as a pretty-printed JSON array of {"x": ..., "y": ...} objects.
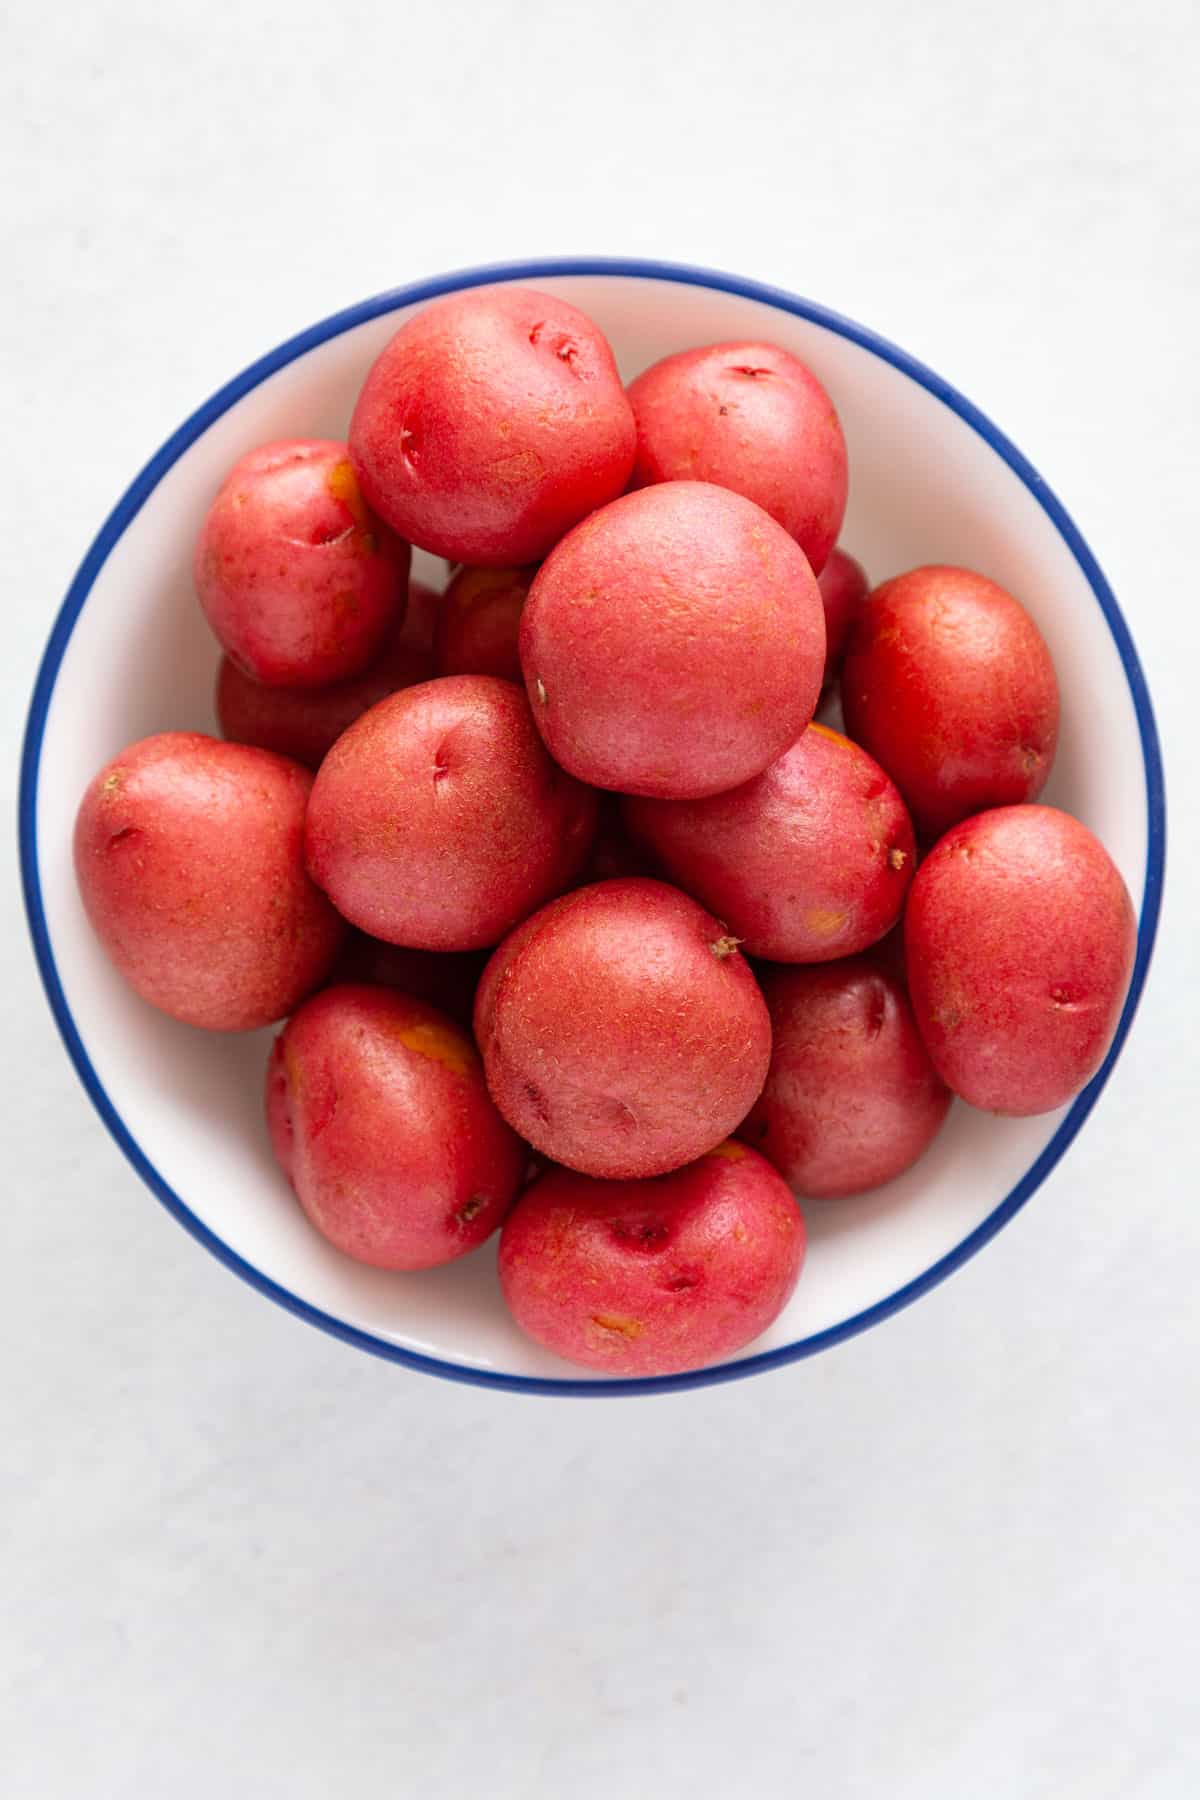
[
  {"x": 492, "y": 422},
  {"x": 652, "y": 1277},
  {"x": 949, "y": 684},
  {"x": 674, "y": 643},
  {"x": 1019, "y": 942},
  {"x": 438, "y": 820},
  {"x": 750, "y": 417},
  {"x": 299, "y": 583},
  {"x": 305, "y": 723},
  {"x": 479, "y": 623},
  {"x": 851, "y": 1098},
  {"x": 808, "y": 862},
  {"x": 380, "y": 1119},
  {"x": 844, "y": 586},
  {"x": 189, "y": 858},
  {"x": 622, "y": 1032}
]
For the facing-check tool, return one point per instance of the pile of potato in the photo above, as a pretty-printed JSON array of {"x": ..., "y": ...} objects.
[{"x": 582, "y": 927}]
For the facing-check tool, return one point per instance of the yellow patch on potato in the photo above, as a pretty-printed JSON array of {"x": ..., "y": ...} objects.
[
  {"x": 440, "y": 1043},
  {"x": 729, "y": 1151},
  {"x": 824, "y": 921},
  {"x": 342, "y": 483},
  {"x": 835, "y": 737},
  {"x": 292, "y": 1070},
  {"x": 622, "y": 1327}
]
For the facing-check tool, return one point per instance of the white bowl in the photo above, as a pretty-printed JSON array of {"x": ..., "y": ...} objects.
[{"x": 932, "y": 481}]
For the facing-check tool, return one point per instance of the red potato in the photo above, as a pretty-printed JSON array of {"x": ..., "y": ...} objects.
[
  {"x": 622, "y": 1033},
  {"x": 1019, "y": 942},
  {"x": 480, "y": 619},
  {"x": 844, "y": 586},
  {"x": 808, "y": 862},
  {"x": 298, "y": 581},
  {"x": 673, "y": 644},
  {"x": 948, "y": 683},
  {"x": 492, "y": 422},
  {"x": 438, "y": 820},
  {"x": 750, "y": 417},
  {"x": 851, "y": 1099},
  {"x": 189, "y": 858},
  {"x": 305, "y": 723},
  {"x": 443, "y": 978},
  {"x": 651, "y": 1277},
  {"x": 380, "y": 1119}
]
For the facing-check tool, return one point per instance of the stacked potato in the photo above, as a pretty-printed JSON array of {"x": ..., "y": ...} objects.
[{"x": 566, "y": 802}]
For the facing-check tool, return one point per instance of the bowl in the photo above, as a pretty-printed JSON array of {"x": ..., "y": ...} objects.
[{"x": 932, "y": 480}]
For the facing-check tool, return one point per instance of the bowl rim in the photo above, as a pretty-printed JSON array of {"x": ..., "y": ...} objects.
[{"x": 415, "y": 293}]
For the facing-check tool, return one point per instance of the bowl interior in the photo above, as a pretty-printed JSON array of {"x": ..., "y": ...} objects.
[{"x": 925, "y": 486}]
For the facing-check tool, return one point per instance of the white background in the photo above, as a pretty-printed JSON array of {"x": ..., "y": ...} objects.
[{"x": 956, "y": 1557}]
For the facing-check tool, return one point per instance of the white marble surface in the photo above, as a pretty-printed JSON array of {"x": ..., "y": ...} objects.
[{"x": 955, "y": 1557}]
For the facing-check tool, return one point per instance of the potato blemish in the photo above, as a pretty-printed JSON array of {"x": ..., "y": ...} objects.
[
  {"x": 619, "y": 1326},
  {"x": 342, "y": 483},
  {"x": 440, "y": 1043},
  {"x": 824, "y": 921}
]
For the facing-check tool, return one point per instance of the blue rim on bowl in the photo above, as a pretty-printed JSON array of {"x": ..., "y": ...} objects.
[{"x": 127, "y": 509}]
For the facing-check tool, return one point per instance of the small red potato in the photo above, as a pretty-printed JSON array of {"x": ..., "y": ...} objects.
[
  {"x": 380, "y": 1119},
  {"x": 844, "y": 586},
  {"x": 479, "y": 623},
  {"x": 446, "y": 979},
  {"x": 1019, "y": 941},
  {"x": 651, "y": 1277},
  {"x": 189, "y": 857},
  {"x": 851, "y": 1097},
  {"x": 438, "y": 820},
  {"x": 750, "y": 417},
  {"x": 298, "y": 581},
  {"x": 948, "y": 683},
  {"x": 492, "y": 422},
  {"x": 622, "y": 1033},
  {"x": 305, "y": 723},
  {"x": 673, "y": 644},
  {"x": 808, "y": 862}
]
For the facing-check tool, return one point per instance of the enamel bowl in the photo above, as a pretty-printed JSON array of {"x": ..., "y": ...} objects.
[{"x": 932, "y": 481}]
